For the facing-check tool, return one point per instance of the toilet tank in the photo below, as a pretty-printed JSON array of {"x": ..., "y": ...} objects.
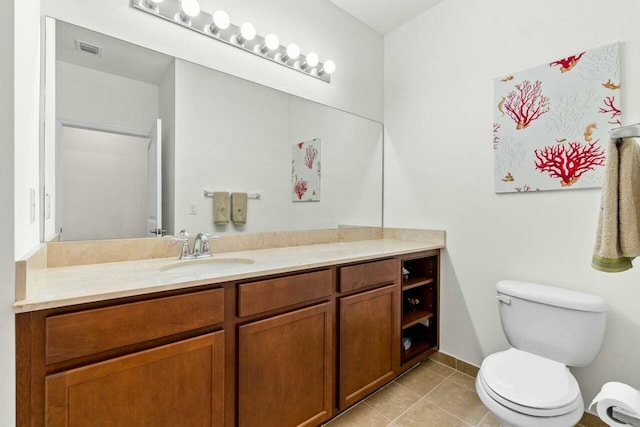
[{"x": 559, "y": 324}]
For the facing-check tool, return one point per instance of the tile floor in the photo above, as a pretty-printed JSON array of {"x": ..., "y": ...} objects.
[{"x": 429, "y": 395}]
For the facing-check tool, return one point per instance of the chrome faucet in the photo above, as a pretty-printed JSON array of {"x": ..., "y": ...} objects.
[{"x": 201, "y": 245}]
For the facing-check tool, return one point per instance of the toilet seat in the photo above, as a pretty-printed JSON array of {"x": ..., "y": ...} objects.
[{"x": 530, "y": 384}]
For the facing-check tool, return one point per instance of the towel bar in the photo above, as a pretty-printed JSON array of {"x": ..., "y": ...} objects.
[
  {"x": 254, "y": 195},
  {"x": 631, "y": 131}
]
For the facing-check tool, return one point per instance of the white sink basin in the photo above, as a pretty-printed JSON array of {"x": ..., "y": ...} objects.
[{"x": 209, "y": 265}]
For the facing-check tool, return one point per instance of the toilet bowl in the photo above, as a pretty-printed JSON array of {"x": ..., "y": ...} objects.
[
  {"x": 523, "y": 389},
  {"x": 550, "y": 329}
]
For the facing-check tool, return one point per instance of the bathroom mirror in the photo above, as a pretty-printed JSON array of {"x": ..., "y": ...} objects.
[{"x": 218, "y": 133}]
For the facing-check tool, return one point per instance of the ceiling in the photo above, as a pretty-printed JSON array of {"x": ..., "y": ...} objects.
[
  {"x": 117, "y": 57},
  {"x": 384, "y": 15}
]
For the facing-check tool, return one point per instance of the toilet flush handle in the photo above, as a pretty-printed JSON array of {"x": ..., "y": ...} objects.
[{"x": 504, "y": 299}]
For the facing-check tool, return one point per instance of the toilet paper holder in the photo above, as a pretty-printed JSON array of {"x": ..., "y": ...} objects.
[{"x": 623, "y": 417}]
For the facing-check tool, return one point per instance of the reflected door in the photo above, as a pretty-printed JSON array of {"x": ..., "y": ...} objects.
[{"x": 154, "y": 180}]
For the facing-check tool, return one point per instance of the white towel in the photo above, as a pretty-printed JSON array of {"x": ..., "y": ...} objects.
[{"x": 618, "y": 235}]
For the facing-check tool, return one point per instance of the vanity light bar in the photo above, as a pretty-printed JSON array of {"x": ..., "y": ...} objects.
[{"x": 187, "y": 13}]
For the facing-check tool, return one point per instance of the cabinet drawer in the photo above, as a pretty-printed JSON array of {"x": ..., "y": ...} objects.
[
  {"x": 370, "y": 274},
  {"x": 265, "y": 295},
  {"x": 92, "y": 331}
]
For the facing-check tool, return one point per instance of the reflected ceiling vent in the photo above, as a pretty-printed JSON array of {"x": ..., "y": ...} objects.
[{"x": 89, "y": 48}]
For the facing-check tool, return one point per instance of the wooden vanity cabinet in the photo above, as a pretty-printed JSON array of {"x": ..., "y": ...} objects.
[
  {"x": 368, "y": 336},
  {"x": 420, "y": 306},
  {"x": 285, "y": 369},
  {"x": 284, "y": 351},
  {"x": 158, "y": 361},
  {"x": 286, "y": 355},
  {"x": 179, "y": 384},
  {"x": 368, "y": 328}
]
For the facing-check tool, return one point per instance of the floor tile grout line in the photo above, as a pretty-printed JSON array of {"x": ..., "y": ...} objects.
[
  {"x": 454, "y": 370},
  {"x": 445, "y": 410},
  {"x": 422, "y": 395},
  {"x": 424, "y": 398},
  {"x": 484, "y": 418},
  {"x": 451, "y": 413},
  {"x": 375, "y": 409},
  {"x": 417, "y": 401}
]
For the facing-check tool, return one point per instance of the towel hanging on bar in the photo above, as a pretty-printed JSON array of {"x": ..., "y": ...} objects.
[
  {"x": 618, "y": 234},
  {"x": 220, "y": 207}
]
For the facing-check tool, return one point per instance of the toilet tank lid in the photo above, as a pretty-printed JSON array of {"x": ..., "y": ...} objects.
[{"x": 551, "y": 295}]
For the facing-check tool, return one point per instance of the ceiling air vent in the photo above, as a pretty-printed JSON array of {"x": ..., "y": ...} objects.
[{"x": 89, "y": 48}]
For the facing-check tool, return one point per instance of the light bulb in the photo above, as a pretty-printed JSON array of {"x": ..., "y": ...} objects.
[
  {"x": 271, "y": 42},
  {"x": 190, "y": 9},
  {"x": 247, "y": 33},
  {"x": 152, "y": 4},
  {"x": 293, "y": 51},
  {"x": 328, "y": 67},
  {"x": 311, "y": 60},
  {"x": 221, "y": 21}
]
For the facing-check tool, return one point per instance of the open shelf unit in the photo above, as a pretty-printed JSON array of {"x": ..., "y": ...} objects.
[{"x": 420, "y": 305}]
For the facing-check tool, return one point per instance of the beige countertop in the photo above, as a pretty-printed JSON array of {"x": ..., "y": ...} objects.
[{"x": 63, "y": 286}]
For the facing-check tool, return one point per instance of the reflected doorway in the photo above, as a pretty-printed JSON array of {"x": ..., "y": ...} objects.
[{"x": 108, "y": 182}]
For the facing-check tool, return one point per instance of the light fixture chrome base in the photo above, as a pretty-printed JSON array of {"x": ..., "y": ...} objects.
[{"x": 171, "y": 9}]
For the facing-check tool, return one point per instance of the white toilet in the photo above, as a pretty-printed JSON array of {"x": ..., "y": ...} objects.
[{"x": 549, "y": 329}]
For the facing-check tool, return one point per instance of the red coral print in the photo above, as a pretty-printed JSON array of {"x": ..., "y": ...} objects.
[
  {"x": 569, "y": 161},
  {"x": 526, "y": 103},
  {"x": 566, "y": 64},
  {"x": 310, "y": 156},
  {"x": 610, "y": 108},
  {"x": 300, "y": 187}
]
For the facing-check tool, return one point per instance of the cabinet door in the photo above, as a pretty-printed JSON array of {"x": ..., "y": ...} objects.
[
  {"x": 285, "y": 369},
  {"x": 369, "y": 336},
  {"x": 179, "y": 384}
]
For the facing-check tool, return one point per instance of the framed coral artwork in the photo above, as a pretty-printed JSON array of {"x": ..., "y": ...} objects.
[
  {"x": 305, "y": 171},
  {"x": 551, "y": 122}
]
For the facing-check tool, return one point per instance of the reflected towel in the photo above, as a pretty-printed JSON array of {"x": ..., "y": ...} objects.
[
  {"x": 618, "y": 235},
  {"x": 239, "y": 208},
  {"x": 220, "y": 207}
]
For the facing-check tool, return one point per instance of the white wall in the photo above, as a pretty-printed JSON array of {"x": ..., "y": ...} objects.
[
  {"x": 20, "y": 78},
  {"x": 7, "y": 282},
  {"x": 314, "y": 25},
  {"x": 27, "y": 106},
  {"x": 234, "y": 135},
  {"x": 439, "y": 167},
  {"x": 89, "y": 96}
]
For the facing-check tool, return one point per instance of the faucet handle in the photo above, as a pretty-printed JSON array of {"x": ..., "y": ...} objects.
[
  {"x": 206, "y": 247},
  {"x": 184, "y": 239}
]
